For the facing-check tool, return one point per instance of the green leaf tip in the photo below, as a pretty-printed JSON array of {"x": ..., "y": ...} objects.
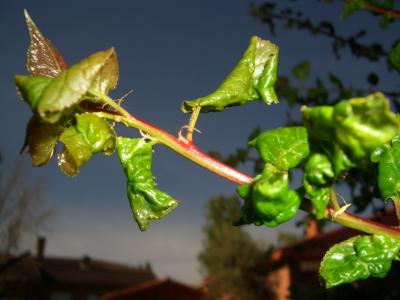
[
  {"x": 147, "y": 202},
  {"x": 358, "y": 258},
  {"x": 252, "y": 78}
]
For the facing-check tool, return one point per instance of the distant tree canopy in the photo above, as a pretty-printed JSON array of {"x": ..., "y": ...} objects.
[{"x": 230, "y": 258}]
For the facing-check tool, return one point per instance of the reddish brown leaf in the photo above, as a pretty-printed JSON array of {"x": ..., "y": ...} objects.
[{"x": 43, "y": 58}]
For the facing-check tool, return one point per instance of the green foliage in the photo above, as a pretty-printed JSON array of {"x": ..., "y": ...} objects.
[
  {"x": 394, "y": 57},
  {"x": 358, "y": 126},
  {"x": 302, "y": 70},
  {"x": 284, "y": 148},
  {"x": 147, "y": 202},
  {"x": 388, "y": 157},
  {"x": 358, "y": 258},
  {"x": 352, "y": 6},
  {"x": 252, "y": 78},
  {"x": 268, "y": 199}
]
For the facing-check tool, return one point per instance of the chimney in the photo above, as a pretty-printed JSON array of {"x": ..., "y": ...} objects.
[
  {"x": 311, "y": 229},
  {"x": 41, "y": 244}
]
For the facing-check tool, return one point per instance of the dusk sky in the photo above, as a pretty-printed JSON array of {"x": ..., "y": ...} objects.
[{"x": 168, "y": 51}]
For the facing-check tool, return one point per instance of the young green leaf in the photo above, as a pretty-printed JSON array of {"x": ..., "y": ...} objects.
[
  {"x": 301, "y": 71},
  {"x": 91, "y": 134},
  {"x": 358, "y": 258},
  {"x": 252, "y": 78},
  {"x": 31, "y": 88},
  {"x": 318, "y": 169},
  {"x": 41, "y": 138},
  {"x": 388, "y": 157},
  {"x": 43, "y": 58},
  {"x": 284, "y": 148},
  {"x": 319, "y": 197},
  {"x": 70, "y": 87},
  {"x": 147, "y": 202},
  {"x": 268, "y": 200}
]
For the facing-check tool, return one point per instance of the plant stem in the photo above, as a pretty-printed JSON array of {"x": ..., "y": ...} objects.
[
  {"x": 187, "y": 150},
  {"x": 355, "y": 222},
  {"x": 192, "y": 123},
  {"x": 191, "y": 152},
  {"x": 333, "y": 200}
]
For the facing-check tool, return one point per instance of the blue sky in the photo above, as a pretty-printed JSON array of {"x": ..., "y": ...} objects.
[{"x": 168, "y": 51}]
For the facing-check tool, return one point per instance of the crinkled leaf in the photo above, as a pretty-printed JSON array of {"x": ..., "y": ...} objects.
[
  {"x": 302, "y": 70},
  {"x": 70, "y": 87},
  {"x": 97, "y": 132},
  {"x": 358, "y": 258},
  {"x": 388, "y": 157},
  {"x": 31, "y": 88},
  {"x": 91, "y": 134},
  {"x": 43, "y": 58},
  {"x": 41, "y": 138},
  {"x": 252, "y": 78},
  {"x": 268, "y": 199},
  {"x": 147, "y": 202},
  {"x": 394, "y": 57},
  {"x": 363, "y": 124},
  {"x": 318, "y": 169},
  {"x": 319, "y": 197},
  {"x": 284, "y": 148}
]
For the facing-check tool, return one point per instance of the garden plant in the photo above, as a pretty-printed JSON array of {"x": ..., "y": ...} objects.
[{"x": 71, "y": 106}]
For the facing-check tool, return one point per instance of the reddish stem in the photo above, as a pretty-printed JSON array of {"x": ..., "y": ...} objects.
[{"x": 190, "y": 151}]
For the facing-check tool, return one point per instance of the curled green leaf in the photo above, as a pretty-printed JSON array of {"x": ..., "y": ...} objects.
[
  {"x": 268, "y": 199},
  {"x": 319, "y": 197},
  {"x": 253, "y": 78},
  {"x": 318, "y": 169},
  {"x": 363, "y": 124},
  {"x": 147, "y": 202},
  {"x": 284, "y": 147},
  {"x": 388, "y": 157},
  {"x": 89, "y": 135},
  {"x": 358, "y": 258},
  {"x": 352, "y": 129}
]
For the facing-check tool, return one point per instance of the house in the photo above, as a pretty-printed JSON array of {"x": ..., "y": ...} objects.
[
  {"x": 157, "y": 289},
  {"x": 56, "y": 278}
]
